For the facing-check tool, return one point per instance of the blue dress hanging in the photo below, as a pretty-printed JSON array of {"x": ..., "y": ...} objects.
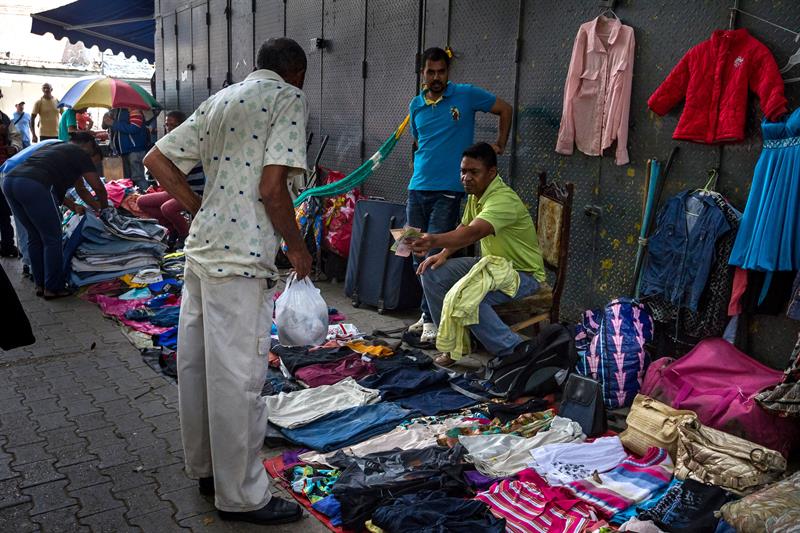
[{"x": 769, "y": 234}]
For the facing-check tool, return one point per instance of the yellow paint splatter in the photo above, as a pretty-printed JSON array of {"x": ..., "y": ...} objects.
[
  {"x": 603, "y": 233},
  {"x": 616, "y": 243},
  {"x": 631, "y": 172},
  {"x": 630, "y": 239},
  {"x": 606, "y": 264}
]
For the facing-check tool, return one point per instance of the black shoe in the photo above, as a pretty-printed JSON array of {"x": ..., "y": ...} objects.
[
  {"x": 206, "y": 485},
  {"x": 63, "y": 293},
  {"x": 9, "y": 251},
  {"x": 277, "y": 511}
]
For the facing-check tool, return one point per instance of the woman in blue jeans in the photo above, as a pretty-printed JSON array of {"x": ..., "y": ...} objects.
[{"x": 35, "y": 189}]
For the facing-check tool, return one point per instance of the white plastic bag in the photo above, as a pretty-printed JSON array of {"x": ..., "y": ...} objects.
[{"x": 301, "y": 314}]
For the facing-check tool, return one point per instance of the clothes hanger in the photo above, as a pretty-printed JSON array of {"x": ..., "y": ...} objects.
[
  {"x": 609, "y": 10},
  {"x": 711, "y": 184},
  {"x": 794, "y": 59}
]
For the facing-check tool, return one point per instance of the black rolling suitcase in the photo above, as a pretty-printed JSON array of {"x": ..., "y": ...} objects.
[{"x": 375, "y": 275}]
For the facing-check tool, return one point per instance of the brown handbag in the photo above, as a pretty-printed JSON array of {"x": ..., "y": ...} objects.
[
  {"x": 714, "y": 457},
  {"x": 652, "y": 423}
]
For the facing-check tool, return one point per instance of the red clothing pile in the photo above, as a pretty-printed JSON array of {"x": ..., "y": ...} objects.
[{"x": 714, "y": 77}]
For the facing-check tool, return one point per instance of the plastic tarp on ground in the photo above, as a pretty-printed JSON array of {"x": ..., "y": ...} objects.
[{"x": 127, "y": 27}]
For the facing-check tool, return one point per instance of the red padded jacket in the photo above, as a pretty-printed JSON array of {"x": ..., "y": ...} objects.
[{"x": 714, "y": 77}]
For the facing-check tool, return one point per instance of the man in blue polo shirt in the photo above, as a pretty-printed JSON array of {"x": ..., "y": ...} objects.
[{"x": 443, "y": 126}]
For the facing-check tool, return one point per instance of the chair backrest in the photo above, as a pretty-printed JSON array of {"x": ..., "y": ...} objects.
[{"x": 552, "y": 227}]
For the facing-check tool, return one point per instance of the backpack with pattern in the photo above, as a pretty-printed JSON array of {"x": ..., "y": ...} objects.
[{"x": 611, "y": 349}]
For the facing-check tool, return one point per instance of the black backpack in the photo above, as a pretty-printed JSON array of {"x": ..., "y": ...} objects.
[{"x": 541, "y": 370}]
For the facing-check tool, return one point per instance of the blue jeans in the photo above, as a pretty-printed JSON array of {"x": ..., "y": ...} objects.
[
  {"x": 133, "y": 169},
  {"x": 350, "y": 426},
  {"x": 22, "y": 242},
  {"x": 36, "y": 210},
  {"x": 432, "y": 212},
  {"x": 491, "y": 331}
]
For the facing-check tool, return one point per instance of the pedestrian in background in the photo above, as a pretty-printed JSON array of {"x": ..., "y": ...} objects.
[
  {"x": 84, "y": 119},
  {"x": 129, "y": 139},
  {"x": 22, "y": 121},
  {"x": 162, "y": 206},
  {"x": 34, "y": 190},
  {"x": 46, "y": 109},
  {"x": 69, "y": 123},
  {"x": 10, "y": 144},
  {"x": 250, "y": 138}
]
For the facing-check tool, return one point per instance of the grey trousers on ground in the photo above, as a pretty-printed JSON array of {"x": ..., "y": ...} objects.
[{"x": 224, "y": 339}]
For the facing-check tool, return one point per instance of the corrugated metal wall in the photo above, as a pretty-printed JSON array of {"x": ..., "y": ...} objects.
[{"x": 359, "y": 86}]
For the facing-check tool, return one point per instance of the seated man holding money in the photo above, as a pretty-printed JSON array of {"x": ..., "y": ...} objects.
[{"x": 511, "y": 266}]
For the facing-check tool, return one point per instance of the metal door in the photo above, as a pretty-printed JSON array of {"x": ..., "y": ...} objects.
[
  {"x": 541, "y": 85},
  {"x": 242, "y": 55},
  {"x": 392, "y": 43},
  {"x": 304, "y": 23},
  {"x": 159, "y": 55},
  {"x": 218, "y": 43},
  {"x": 185, "y": 74},
  {"x": 270, "y": 20},
  {"x": 483, "y": 38},
  {"x": 342, "y": 83},
  {"x": 200, "y": 54},
  {"x": 170, "y": 98}
]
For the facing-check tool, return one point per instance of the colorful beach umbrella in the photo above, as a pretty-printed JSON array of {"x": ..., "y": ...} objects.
[{"x": 102, "y": 91}]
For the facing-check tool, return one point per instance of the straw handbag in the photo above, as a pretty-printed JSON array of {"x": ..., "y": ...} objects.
[{"x": 652, "y": 423}]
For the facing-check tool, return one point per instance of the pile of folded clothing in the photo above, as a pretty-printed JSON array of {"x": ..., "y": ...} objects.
[{"x": 114, "y": 244}]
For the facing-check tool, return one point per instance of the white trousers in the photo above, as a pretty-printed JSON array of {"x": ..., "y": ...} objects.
[{"x": 223, "y": 343}]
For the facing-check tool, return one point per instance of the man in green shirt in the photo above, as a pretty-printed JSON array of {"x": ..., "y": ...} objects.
[
  {"x": 69, "y": 123},
  {"x": 496, "y": 217}
]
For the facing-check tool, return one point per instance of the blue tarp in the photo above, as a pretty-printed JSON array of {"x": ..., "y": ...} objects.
[{"x": 128, "y": 27}]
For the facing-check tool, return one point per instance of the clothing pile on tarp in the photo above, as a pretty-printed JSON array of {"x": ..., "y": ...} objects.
[
  {"x": 387, "y": 439},
  {"x": 113, "y": 244},
  {"x": 146, "y": 303}
]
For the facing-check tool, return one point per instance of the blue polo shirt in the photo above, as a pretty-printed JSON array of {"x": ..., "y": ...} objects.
[{"x": 443, "y": 130}]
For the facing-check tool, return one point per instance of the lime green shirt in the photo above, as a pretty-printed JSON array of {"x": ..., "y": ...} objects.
[
  {"x": 514, "y": 234},
  {"x": 67, "y": 119}
]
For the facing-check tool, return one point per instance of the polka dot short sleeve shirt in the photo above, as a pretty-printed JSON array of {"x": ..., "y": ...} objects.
[{"x": 234, "y": 134}]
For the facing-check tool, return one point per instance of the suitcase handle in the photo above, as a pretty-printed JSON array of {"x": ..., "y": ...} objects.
[
  {"x": 356, "y": 301},
  {"x": 385, "y": 267}
]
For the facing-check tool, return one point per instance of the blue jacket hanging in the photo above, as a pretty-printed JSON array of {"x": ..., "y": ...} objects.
[{"x": 680, "y": 253}]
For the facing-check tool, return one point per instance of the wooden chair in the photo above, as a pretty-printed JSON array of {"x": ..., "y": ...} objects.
[{"x": 552, "y": 227}]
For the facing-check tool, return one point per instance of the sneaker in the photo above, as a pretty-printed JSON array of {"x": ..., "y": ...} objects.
[
  {"x": 277, "y": 511},
  {"x": 429, "y": 332},
  {"x": 417, "y": 326}
]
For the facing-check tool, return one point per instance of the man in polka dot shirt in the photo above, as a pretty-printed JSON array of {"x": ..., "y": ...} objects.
[{"x": 250, "y": 139}]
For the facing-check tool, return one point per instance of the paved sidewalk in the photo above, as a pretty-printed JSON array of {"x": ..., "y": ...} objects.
[{"x": 89, "y": 434}]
